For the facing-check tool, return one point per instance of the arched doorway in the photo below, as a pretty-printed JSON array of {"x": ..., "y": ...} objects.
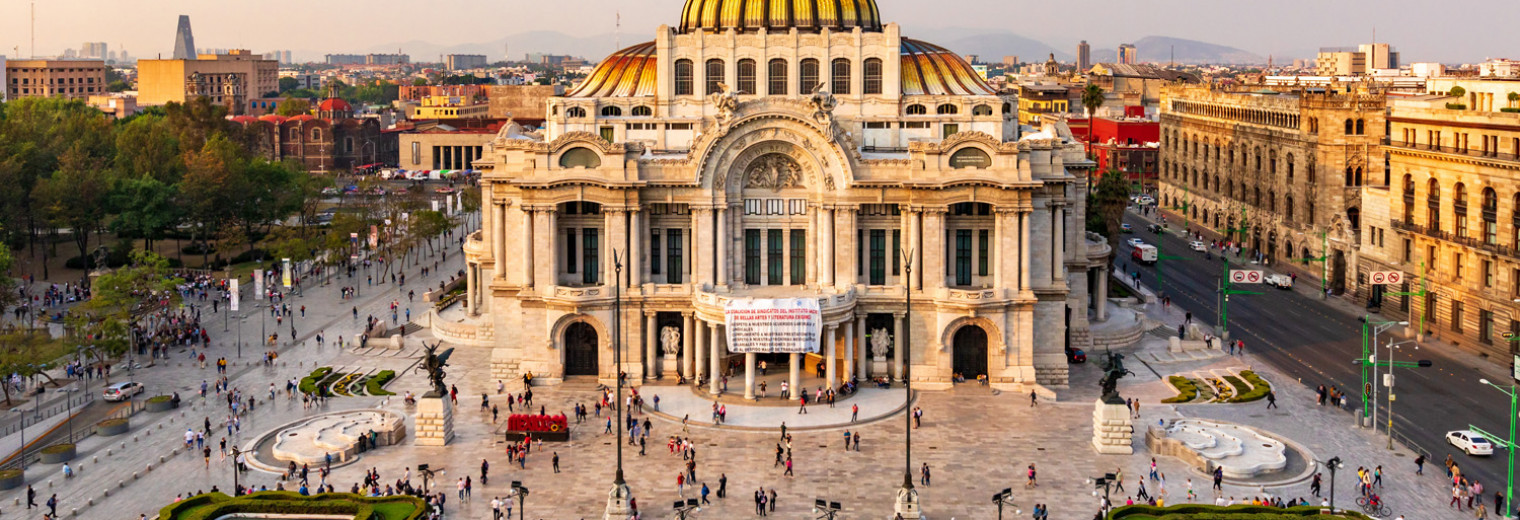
[
  {"x": 580, "y": 350},
  {"x": 970, "y": 346}
]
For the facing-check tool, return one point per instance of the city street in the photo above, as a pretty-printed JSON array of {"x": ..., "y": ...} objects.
[{"x": 1316, "y": 342}]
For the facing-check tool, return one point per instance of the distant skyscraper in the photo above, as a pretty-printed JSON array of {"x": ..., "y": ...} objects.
[
  {"x": 94, "y": 50},
  {"x": 1127, "y": 54},
  {"x": 184, "y": 42},
  {"x": 1084, "y": 57}
]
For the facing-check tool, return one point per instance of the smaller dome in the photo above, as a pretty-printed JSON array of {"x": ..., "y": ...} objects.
[
  {"x": 271, "y": 118},
  {"x": 626, "y": 73},
  {"x": 334, "y": 105},
  {"x": 930, "y": 69}
]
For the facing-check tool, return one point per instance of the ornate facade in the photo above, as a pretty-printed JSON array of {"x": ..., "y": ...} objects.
[
  {"x": 781, "y": 150},
  {"x": 1275, "y": 170}
]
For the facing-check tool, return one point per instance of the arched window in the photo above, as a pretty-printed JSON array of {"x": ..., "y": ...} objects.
[
  {"x": 1256, "y": 199},
  {"x": 1408, "y": 199},
  {"x": 1258, "y": 160},
  {"x": 580, "y": 157},
  {"x": 808, "y": 80},
  {"x": 612, "y": 112},
  {"x": 1349, "y": 127},
  {"x": 1433, "y": 205},
  {"x": 1290, "y": 168},
  {"x": 1514, "y": 215},
  {"x": 1350, "y": 176},
  {"x": 1459, "y": 209},
  {"x": 642, "y": 111},
  {"x": 1310, "y": 170},
  {"x": 1361, "y": 128},
  {"x": 839, "y": 76},
  {"x": 1272, "y": 201},
  {"x": 1311, "y": 214},
  {"x": 1490, "y": 216},
  {"x": 295, "y": 134},
  {"x": 575, "y": 112},
  {"x": 316, "y": 134},
  {"x": 916, "y": 110},
  {"x": 1007, "y": 108},
  {"x": 1288, "y": 211},
  {"x": 981, "y": 110},
  {"x": 747, "y": 76},
  {"x": 683, "y": 78},
  {"x": 715, "y": 76},
  {"x": 776, "y": 80},
  {"x": 947, "y": 108},
  {"x": 873, "y": 76}
]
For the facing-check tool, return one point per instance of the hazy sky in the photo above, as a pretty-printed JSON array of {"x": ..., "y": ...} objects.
[{"x": 1421, "y": 30}]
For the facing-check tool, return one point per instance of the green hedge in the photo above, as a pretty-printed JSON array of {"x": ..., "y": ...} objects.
[
  {"x": 1456, "y": 106},
  {"x": 1208, "y": 512},
  {"x": 1187, "y": 391},
  {"x": 160, "y": 398},
  {"x": 376, "y": 385},
  {"x": 1259, "y": 388},
  {"x": 214, "y": 505},
  {"x": 1510, "y": 110},
  {"x": 309, "y": 383}
]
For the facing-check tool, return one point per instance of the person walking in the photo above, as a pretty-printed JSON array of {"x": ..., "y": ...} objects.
[
  {"x": 1031, "y": 482},
  {"x": 1034, "y": 399},
  {"x": 556, "y": 462},
  {"x": 801, "y": 403},
  {"x": 854, "y": 412},
  {"x": 923, "y": 477},
  {"x": 704, "y": 494},
  {"x": 1271, "y": 399},
  {"x": 1419, "y": 467}
]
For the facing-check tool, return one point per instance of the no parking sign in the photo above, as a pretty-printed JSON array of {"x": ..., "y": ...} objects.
[
  {"x": 1385, "y": 277},
  {"x": 1245, "y": 276}
]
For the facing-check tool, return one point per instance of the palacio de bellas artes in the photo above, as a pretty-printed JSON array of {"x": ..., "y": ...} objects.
[{"x": 770, "y": 156}]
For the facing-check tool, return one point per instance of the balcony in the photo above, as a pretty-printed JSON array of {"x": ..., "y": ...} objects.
[
  {"x": 1452, "y": 150},
  {"x": 1472, "y": 242}
]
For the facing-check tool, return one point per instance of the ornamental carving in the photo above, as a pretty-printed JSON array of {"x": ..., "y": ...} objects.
[{"x": 773, "y": 172}]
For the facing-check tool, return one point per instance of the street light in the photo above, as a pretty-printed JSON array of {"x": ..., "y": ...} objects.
[
  {"x": 522, "y": 498},
  {"x": 907, "y": 496},
  {"x": 684, "y": 508},
  {"x": 22, "y": 451},
  {"x": 825, "y": 509},
  {"x": 1509, "y": 443},
  {"x": 1333, "y": 464},
  {"x": 1368, "y": 361},
  {"x": 1106, "y": 481},
  {"x": 1005, "y": 498}
]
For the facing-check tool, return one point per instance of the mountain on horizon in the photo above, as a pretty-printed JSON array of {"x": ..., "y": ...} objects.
[{"x": 1164, "y": 49}]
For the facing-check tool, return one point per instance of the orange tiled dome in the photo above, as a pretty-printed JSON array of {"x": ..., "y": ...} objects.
[
  {"x": 720, "y": 15},
  {"x": 334, "y": 105}
]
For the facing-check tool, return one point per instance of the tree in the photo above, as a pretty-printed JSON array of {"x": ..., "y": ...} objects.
[
  {"x": 287, "y": 84},
  {"x": 419, "y": 82},
  {"x": 1514, "y": 98},
  {"x": 1105, "y": 206},
  {"x": 208, "y": 188},
  {"x": 1092, "y": 98},
  {"x": 118, "y": 86},
  {"x": 145, "y": 207},
  {"x": 122, "y": 297},
  {"x": 429, "y": 225},
  {"x": 147, "y": 146},
  {"x": 75, "y": 196},
  {"x": 1458, "y": 91},
  {"x": 290, "y": 107}
]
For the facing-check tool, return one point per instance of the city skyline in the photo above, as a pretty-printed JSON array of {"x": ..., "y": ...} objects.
[{"x": 148, "y": 33}]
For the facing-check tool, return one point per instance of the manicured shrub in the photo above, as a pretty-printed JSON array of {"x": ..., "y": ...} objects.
[
  {"x": 375, "y": 385},
  {"x": 1187, "y": 391}
]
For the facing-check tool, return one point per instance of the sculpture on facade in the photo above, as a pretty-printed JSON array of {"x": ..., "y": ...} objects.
[
  {"x": 670, "y": 340},
  {"x": 433, "y": 364},
  {"x": 880, "y": 340},
  {"x": 1113, "y": 370},
  {"x": 773, "y": 172},
  {"x": 726, "y": 100},
  {"x": 823, "y": 104}
]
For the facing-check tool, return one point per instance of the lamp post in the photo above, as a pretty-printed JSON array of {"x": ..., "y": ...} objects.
[
  {"x": 1105, "y": 482},
  {"x": 1509, "y": 444},
  {"x": 907, "y": 498},
  {"x": 1005, "y": 498},
  {"x": 237, "y": 489},
  {"x": 522, "y": 498},
  {"x": 684, "y": 508},
  {"x": 824, "y": 509},
  {"x": 22, "y": 451},
  {"x": 1389, "y": 381},
  {"x": 617, "y": 500},
  {"x": 1368, "y": 362},
  {"x": 1333, "y": 464}
]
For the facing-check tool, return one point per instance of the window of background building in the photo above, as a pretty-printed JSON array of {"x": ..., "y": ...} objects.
[
  {"x": 747, "y": 77},
  {"x": 715, "y": 76},
  {"x": 776, "y": 78},
  {"x": 416, "y": 153},
  {"x": 808, "y": 76},
  {"x": 1430, "y": 256},
  {"x": 674, "y": 257},
  {"x": 656, "y": 256},
  {"x": 774, "y": 260},
  {"x": 1488, "y": 273},
  {"x": 1486, "y": 326},
  {"x": 1456, "y": 315},
  {"x": 683, "y": 77},
  {"x": 799, "y": 256},
  {"x": 1456, "y": 263},
  {"x": 873, "y": 76},
  {"x": 839, "y": 76},
  {"x": 752, "y": 256}
]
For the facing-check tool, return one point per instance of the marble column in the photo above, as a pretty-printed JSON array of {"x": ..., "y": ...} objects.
[
  {"x": 473, "y": 289},
  {"x": 547, "y": 232},
  {"x": 716, "y": 361},
  {"x": 828, "y": 357},
  {"x": 897, "y": 345},
  {"x": 749, "y": 376},
  {"x": 998, "y": 243},
  {"x": 651, "y": 347},
  {"x": 844, "y": 253},
  {"x": 687, "y": 349},
  {"x": 849, "y": 348},
  {"x": 826, "y": 246},
  {"x": 615, "y": 231},
  {"x": 636, "y": 236},
  {"x": 723, "y": 256},
  {"x": 702, "y": 237},
  {"x": 934, "y": 248},
  {"x": 1101, "y": 295},
  {"x": 794, "y": 372},
  {"x": 860, "y": 347},
  {"x": 1024, "y": 245},
  {"x": 1057, "y": 245},
  {"x": 498, "y": 239},
  {"x": 527, "y": 252}
]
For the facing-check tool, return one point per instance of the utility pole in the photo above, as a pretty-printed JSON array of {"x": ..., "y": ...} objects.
[
  {"x": 1508, "y": 444},
  {"x": 1419, "y": 334},
  {"x": 1225, "y": 291},
  {"x": 1323, "y": 259}
]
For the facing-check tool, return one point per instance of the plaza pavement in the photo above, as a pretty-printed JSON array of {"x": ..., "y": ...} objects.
[{"x": 975, "y": 442}]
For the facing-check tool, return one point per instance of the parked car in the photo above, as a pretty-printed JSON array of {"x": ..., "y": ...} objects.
[
  {"x": 1280, "y": 281},
  {"x": 1075, "y": 355},
  {"x": 1147, "y": 200},
  {"x": 122, "y": 391},
  {"x": 1470, "y": 442},
  {"x": 1126, "y": 228},
  {"x": 1198, "y": 246}
]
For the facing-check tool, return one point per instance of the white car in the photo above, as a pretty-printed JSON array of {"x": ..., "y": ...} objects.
[
  {"x": 1280, "y": 281},
  {"x": 1470, "y": 442},
  {"x": 1135, "y": 242},
  {"x": 1198, "y": 246},
  {"x": 1147, "y": 201},
  {"x": 122, "y": 391}
]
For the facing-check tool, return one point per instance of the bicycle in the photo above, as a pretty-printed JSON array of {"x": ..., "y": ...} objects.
[{"x": 1374, "y": 506}]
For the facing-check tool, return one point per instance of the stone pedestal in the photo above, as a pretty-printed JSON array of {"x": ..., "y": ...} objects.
[
  {"x": 879, "y": 367},
  {"x": 1113, "y": 431},
  {"x": 906, "y": 505},
  {"x": 435, "y": 421},
  {"x": 669, "y": 367},
  {"x": 617, "y": 503}
]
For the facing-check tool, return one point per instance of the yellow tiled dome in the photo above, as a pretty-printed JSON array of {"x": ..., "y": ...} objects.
[
  {"x": 626, "y": 73},
  {"x": 720, "y": 15}
]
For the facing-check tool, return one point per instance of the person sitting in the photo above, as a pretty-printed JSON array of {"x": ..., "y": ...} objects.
[{"x": 958, "y": 378}]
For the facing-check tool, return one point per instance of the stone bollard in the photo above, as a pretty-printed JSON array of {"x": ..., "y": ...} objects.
[
  {"x": 74, "y": 512},
  {"x": 120, "y": 484},
  {"x": 50, "y": 482},
  {"x": 150, "y": 467},
  {"x": 96, "y": 459},
  {"x": 108, "y": 452},
  {"x": 16, "y": 502},
  {"x": 161, "y": 425},
  {"x": 124, "y": 443},
  {"x": 134, "y": 475},
  {"x": 89, "y": 501},
  {"x": 160, "y": 461}
]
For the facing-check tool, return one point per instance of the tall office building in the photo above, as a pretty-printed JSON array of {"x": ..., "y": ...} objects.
[
  {"x": 184, "y": 42},
  {"x": 98, "y": 50},
  {"x": 1127, "y": 54},
  {"x": 1084, "y": 57}
]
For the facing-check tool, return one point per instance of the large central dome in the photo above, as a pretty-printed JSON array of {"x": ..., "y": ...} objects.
[{"x": 749, "y": 15}]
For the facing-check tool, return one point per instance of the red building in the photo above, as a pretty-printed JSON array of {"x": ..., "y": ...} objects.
[{"x": 1129, "y": 144}]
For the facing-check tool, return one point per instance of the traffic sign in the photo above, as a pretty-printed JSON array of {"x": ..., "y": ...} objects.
[
  {"x": 1245, "y": 276},
  {"x": 1385, "y": 277}
]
